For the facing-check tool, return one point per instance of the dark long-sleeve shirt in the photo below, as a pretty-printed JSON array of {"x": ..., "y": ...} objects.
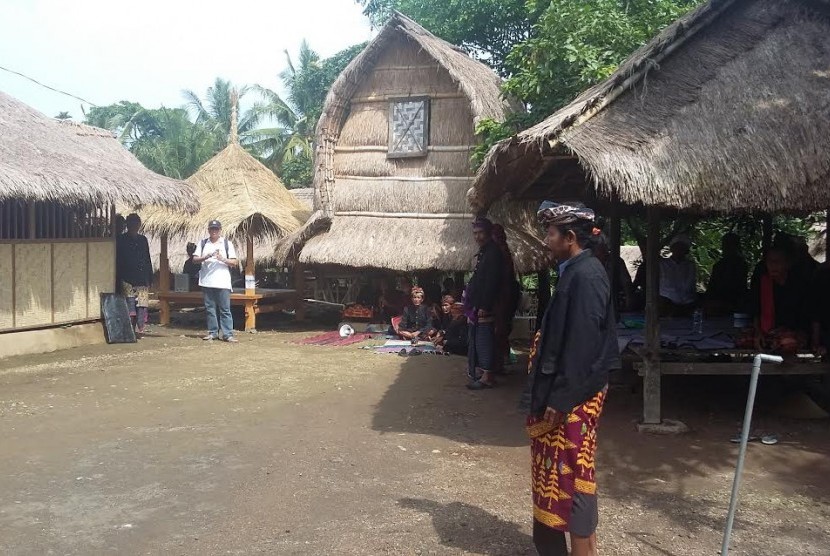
[
  {"x": 484, "y": 288},
  {"x": 132, "y": 256},
  {"x": 416, "y": 319},
  {"x": 578, "y": 344}
]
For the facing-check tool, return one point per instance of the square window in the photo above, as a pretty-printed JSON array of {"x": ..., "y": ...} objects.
[{"x": 408, "y": 127}]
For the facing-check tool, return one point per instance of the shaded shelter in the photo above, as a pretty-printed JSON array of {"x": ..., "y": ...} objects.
[
  {"x": 59, "y": 185},
  {"x": 726, "y": 110},
  {"x": 392, "y": 163},
  {"x": 248, "y": 199}
]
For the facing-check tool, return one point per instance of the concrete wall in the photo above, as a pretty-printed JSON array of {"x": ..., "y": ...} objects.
[{"x": 30, "y": 342}]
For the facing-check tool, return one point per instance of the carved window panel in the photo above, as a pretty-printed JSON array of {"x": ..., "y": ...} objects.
[{"x": 408, "y": 127}]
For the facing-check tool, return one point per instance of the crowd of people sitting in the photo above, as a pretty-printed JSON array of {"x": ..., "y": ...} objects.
[{"x": 787, "y": 294}]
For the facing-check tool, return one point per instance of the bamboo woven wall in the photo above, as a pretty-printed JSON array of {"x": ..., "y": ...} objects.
[
  {"x": 6, "y": 287},
  {"x": 32, "y": 284},
  {"x": 69, "y": 262},
  {"x": 49, "y": 283}
]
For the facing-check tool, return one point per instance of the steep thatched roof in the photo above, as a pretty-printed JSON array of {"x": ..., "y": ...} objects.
[
  {"x": 727, "y": 109},
  {"x": 404, "y": 214},
  {"x": 236, "y": 189},
  {"x": 42, "y": 159},
  {"x": 478, "y": 82}
]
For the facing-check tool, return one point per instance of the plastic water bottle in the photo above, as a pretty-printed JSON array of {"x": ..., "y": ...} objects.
[{"x": 697, "y": 321}]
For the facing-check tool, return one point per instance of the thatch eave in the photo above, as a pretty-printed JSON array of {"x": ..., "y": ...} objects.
[
  {"x": 236, "y": 189},
  {"x": 724, "y": 111},
  {"x": 42, "y": 159}
]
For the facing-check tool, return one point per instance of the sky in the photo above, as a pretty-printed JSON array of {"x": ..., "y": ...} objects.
[{"x": 147, "y": 51}]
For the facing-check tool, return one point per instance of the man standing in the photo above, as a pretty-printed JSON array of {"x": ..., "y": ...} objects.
[
  {"x": 135, "y": 271},
  {"x": 571, "y": 357},
  {"x": 217, "y": 256},
  {"x": 480, "y": 304}
]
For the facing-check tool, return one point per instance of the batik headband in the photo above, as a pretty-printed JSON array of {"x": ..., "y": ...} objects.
[{"x": 554, "y": 214}]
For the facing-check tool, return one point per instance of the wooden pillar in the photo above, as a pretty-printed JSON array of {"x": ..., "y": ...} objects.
[
  {"x": 542, "y": 295},
  {"x": 766, "y": 240},
  {"x": 164, "y": 282},
  {"x": 615, "y": 238},
  {"x": 651, "y": 354},
  {"x": 299, "y": 286},
  {"x": 827, "y": 236},
  {"x": 250, "y": 269}
]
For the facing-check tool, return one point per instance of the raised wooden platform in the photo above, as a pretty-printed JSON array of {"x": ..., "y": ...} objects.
[{"x": 259, "y": 302}]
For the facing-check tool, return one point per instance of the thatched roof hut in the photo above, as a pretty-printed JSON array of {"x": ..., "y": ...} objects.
[
  {"x": 726, "y": 110},
  {"x": 246, "y": 197},
  {"x": 305, "y": 195},
  {"x": 392, "y": 165},
  {"x": 42, "y": 159}
]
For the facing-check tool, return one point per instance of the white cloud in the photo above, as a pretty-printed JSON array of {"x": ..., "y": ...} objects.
[{"x": 149, "y": 50}]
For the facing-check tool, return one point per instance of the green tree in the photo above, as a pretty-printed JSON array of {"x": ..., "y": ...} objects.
[
  {"x": 63, "y": 116},
  {"x": 287, "y": 147},
  {"x": 470, "y": 24},
  {"x": 214, "y": 112},
  {"x": 575, "y": 44},
  {"x": 165, "y": 140}
]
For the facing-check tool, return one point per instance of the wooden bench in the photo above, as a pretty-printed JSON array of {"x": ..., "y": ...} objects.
[{"x": 257, "y": 303}]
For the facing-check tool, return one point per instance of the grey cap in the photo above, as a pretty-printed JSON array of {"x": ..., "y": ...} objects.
[{"x": 214, "y": 224}]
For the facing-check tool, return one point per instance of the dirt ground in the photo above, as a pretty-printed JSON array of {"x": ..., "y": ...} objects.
[{"x": 178, "y": 446}]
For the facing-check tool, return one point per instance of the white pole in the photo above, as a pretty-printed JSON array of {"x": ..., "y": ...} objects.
[{"x": 750, "y": 404}]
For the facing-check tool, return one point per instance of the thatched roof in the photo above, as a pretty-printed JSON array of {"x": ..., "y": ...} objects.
[
  {"x": 239, "y": 191},
  {"x": 727, "y": 109},
  {"x": 42, "y": 159},
  {"x": 373, "y": 211}
]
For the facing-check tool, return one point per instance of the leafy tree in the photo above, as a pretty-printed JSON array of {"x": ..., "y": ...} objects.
[
  {"x": 63, "y": 116},
  {"x": 165, "y": 140},
  {"x": 489, "y": 29},
  {"x": 214, "y": 112},
  {"x": 576, "y": 44},
  {"x": 287, "y": 147}
]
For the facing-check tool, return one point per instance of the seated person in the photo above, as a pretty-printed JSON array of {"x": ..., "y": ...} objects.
[
  {"x": 192, "y": 268},
  {"x": 779, "y": 303},
  {"x": 727, "y": 285},
  {"x": 678, "y": 280},
  {"x": 450, "y": 327},
  {"x": 390, "y": 302},
  {"x": 416, "y": 323},
  {"x": 624, "y": 294},
  {"x": 820, "y": 309}
]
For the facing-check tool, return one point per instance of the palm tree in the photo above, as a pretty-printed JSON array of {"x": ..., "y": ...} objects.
[
  {"x": 295, "y": 117},
  {"x": 63, "y": 116},
  {"x": 214, "y": 113},
  {"x": 172, "y": 145}
]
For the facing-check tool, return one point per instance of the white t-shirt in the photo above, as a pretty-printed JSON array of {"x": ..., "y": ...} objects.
[
  {"x": 678, "y": 281},
  {"x": 215, "y": 273}
]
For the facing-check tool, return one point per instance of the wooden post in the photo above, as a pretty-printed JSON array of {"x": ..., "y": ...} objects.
[
  {"x": 164, "y": 282},
  {"x": 651, "y": 354},
  {"x": 249, "y": 263},
  {"x": 766, "y": 240},
  {"x": 827, "y": 236},
  {"x": 615, "y": 238},
  {"x": 299, "y": 286}
]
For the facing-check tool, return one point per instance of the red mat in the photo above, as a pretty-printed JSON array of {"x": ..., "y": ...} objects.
[{"x": 334, "y": 339}]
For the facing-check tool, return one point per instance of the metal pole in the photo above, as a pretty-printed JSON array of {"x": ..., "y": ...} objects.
[{"x": 750, "y": 404}]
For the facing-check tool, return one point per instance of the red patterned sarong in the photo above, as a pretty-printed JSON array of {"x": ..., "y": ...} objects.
[{"x": 562, "y": 460}]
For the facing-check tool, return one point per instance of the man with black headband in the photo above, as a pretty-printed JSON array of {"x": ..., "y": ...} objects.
[
  {"x": 571, "y": 357},
  {"x": 480, "y": 306}
]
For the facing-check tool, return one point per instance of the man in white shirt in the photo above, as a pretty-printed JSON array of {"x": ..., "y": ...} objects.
[
  {"x": 217, "y": 256},
  {"x": 678, "y": 279}
]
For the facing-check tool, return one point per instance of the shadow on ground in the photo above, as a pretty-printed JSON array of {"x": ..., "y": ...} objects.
[{"x": 472, "y": 529}]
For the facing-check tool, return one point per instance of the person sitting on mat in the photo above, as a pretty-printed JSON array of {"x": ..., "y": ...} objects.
[
  {"x": 450, "y": 327},
  {"x": 416, "y": 323}
]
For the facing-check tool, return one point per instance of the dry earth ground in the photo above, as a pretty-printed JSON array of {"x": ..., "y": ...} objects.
[{"x": 176, "y": 446}]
